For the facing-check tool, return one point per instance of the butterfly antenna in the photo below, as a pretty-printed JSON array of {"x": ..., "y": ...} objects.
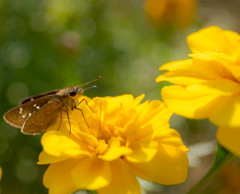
[{"x": 99, "y": 77}]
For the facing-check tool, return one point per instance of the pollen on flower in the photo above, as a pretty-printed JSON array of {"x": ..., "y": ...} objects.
[{"x": 121, "y": 142}]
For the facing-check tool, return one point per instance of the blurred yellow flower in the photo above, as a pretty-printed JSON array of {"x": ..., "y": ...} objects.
[
  {"x": 208, "y": 84},
  {"x": 174, "y": 13},
  {"x": 131, "y": 139}
]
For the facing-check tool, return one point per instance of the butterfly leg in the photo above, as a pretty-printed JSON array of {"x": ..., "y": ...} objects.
[
  {"x": 83, "y": 116},
  {"x": 69, "y": 122},
  {"x": 60, "y": 121},
  {"x": 84, "y": 100}
]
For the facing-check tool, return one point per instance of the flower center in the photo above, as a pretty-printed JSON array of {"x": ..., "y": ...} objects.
[{"x": 102, "y": 147}]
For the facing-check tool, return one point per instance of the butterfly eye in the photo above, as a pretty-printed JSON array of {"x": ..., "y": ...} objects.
[{"x": 72, "y": 93}]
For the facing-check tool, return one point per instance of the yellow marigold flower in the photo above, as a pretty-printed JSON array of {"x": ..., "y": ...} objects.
[
  {"x": 174, "y": 13},
  {"x": 229, "y": 138},
  {"x": 131, "y": 139},
  {"x": 208, "y": 84}
]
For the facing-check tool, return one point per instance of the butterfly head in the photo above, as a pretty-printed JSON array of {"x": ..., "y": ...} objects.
[{"x": 75, "y": 92}]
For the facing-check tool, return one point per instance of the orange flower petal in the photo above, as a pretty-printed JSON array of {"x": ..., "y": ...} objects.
[
  {"x": 111, "y": 105},
  {"x": 233, "y": 39},
  {"x": 213, "y": 65},
  {"x": 229, "y": 138},
  {"x": 57, "y": 143},
  {"x": 171, "y": 137},
  {"x": 114, "y": 153},
  {"x": 181, "y": 72},
  {"x": 138, "y": 100},
  {"x": 58, "y": 179},
  {"x": 198, "y": 101},
  {"x": 91, "y": 174},
  {"x": 155, "y": 110},
  {"x": 123, "y": 180},
  {"x": 180, "y": 66},
  {"x": 168, "y": 166},
  {"x": 45, "y": 158},
  {"x": 212, "y": 39},
  {"x": 235, "y": 71},
  {"x": 187, "y": 103},
  {"x": 227, "y": 112},
  {"x": 141, "y": 155}
]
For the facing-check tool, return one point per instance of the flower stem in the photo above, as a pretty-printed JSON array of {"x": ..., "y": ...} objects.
[{"x": 222, "y": 157}]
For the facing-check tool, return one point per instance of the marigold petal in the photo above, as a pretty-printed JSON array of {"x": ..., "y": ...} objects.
[
  {"x": 58, "y": 179},
  {"x": 182, "y": 79},
  {"x": 228, "y": 137},
  {"x": 227, "y": 112},
  {"x": 223, "y": 87},
  {"x": 180, "y": 65},
  {"x": 181, "y": 72},
  {"x": 112, "y": 104},
  {"x": 155, "y": 109},
  {"x": 235, "y": 71},
  {"x": 233, "y": 38},
  {"x": 138, "y": 100},
  {"x": 168, "y": 166},
  {"x": 170, "y": 137},
  {"x": 123, "y": 180},
  {"x": 213, "y": 66},
  {"x": 45, "y": 158},
  {"x": 188, "y": 103},
  {"x": 152, "y": 117},
  {"x": 115, "y": 150},
  {"x": 142, "y": 155},
  {"x": 114, "y": 153},
  {"x": 210, "y": 39},
  {"x": 58, "y": 143},
  {"x": 91, "y": 174},
  {"x": 199, "y": 100}
]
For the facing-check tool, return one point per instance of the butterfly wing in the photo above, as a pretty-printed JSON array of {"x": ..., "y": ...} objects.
[
  {"x": 32, "y": 98},
  {"x": 16, "y": 117},
  {"x": 40, "y": 120}
]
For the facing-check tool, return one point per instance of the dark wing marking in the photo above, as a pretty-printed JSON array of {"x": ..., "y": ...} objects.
[
  {"x": 17, "y": 116},
  {"x": 32, "y": 98},
  {"x": 43, "y": 118}
]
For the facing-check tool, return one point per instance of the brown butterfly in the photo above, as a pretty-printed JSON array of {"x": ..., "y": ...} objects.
[{"x": 35, "y": 114}]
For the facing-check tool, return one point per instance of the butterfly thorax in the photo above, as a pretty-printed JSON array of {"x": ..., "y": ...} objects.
[{"x": 70, "y": 97}]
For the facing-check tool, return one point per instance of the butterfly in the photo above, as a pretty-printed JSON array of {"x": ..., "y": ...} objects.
[{"x": 35, "y": 114}]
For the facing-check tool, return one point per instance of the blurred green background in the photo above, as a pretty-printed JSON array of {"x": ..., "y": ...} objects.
[{"x": 52, "y": 44}]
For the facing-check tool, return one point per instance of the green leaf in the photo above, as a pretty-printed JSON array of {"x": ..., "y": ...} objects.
[{"x": 222, "y": 157}]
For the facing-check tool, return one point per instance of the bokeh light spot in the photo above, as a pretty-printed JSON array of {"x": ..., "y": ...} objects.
[
  {"x": 18, "y": 55},
  {"x": 26, "y": 171},
  {"x": 16, "y": 92},
  {"x": 7, "y": 131}
]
